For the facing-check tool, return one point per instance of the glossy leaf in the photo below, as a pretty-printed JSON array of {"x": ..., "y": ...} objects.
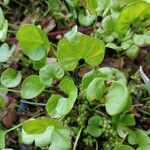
[
  {"x": 6, "y": 52},
  {"x": 31, "y": 87},
  {"x": 81, "y": 47},
  {"x": 50, "y": 72},
  {"x": 44, "y": 132},
  {"x": 10, "y": 78},
  {"x": 57, "y": 105},
  {"x": 33, "y": 41},
  {"x": 130, "y": 13}
]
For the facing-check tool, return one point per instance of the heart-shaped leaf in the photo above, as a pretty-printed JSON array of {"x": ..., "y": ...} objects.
[
  {"x": 80, "y": 47},
  {"x": 6, "y": 52},
  {"x": 50, "y": 72},
  {"x": 10, "y": 78},
  {"x": 58, "y": 106},
  {"x": 93, "y": 126},
  {"x": 130, "y": 13},
  {"x": 44, "y": 132},
  {"x": 31, "y": 87},
  {"x": 33, "y": 41}
]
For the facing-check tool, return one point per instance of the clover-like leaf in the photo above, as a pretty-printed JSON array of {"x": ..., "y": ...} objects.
[
  {"x": 33, "y": 41},
  {"x": 131, "y": 12},
  {"x": 50, "y": 72},
  {"x": 80, "y": 47},
  {"x": 46, "y": 132},
  {"x": 93, "y": 126},
  {"x": 123, "y": 147},
  {"x": 31, "y": 87},
  {"x": 10, "y": 78},
  {"x": 57, "y": 105},
  {"x": 6, "y": 52}
]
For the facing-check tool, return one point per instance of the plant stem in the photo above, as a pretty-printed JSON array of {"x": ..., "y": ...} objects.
[
  {"x": 17, "y": 91},
  {"x": 33, "y": 103},
  {"x": 77, "y": 138},
  {"x": 15, "y": 127}
]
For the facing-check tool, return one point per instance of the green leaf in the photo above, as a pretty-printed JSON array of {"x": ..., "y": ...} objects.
[
  {"x": 93, "y": 126},
  {"x": 10, "y": 78},
  {"x": 33, "y": 41},
  {"x": 2, "y": 102},
  {"x": 86, "y": 19},
  {"x": 2, "y": 139},
  {"x": 50, "y": 72},
  {"x": 116, "y": 99},
  {"x": 6, "y": 52},
  {"x": 3, "y": 26},
  {"x": 53, "y": 5},
  {"x": 44, "y": 132},
  {"x": 37, "y": 65},
  {"x": 130, "y": 13},
  {"x": 58, "y": 106},
  {"x": 140, "y": 39},
  {"x": 31, "y": 87},
  {"x": 82, "y": 46},
  {"x": 132, "y": 52},
  {"x": 113, "y": 74},
  {"x": 139, "y": 137},
  {"x": 123, "y": 147}
]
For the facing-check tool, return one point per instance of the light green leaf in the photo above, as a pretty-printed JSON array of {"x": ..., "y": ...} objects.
[
  {"x": 123, "y": 147},
  {"x": 82, "y": 46},
  {"x": 33, "y": 41},
  {"x": 6, "y": 52},
  {"x": 2, "y": 102},
  {"x": 140, "y": 39},
  {"x": 50, "y": 72},
  {"x": 10, "y": 78},
  {"x": 113, "y": 46},
  {"x": 132, "y": 52},
  {"x": 31, "y": 87},
  {"x": 130, "y": 13},
  {"x": 44, "y": 132},
  {"x": 58, "y": 106},
  {"x": 2, "y": 139},
  {"x": 93, "y": 126}
]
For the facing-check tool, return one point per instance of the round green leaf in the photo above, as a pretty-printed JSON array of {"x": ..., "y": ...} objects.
[
  {"x": 123, "y": 147},
  {"x": 130, "y": 13},
  {"x": 31, "y": 87},
  {"x": 80, "y": 47},
  {"x": 58, "y": 106},
  {"x": 116, "y": 98},
  {"x": 50, "y": 72},
  {"x": 10, "y": 78},
  {"x": 33, "y": 41}
]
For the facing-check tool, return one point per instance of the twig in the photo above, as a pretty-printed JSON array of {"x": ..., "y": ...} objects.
[{"x": 32, "y": 103}]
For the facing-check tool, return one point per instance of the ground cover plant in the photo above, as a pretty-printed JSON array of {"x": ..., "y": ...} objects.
[{"x": 74, "y": 74}]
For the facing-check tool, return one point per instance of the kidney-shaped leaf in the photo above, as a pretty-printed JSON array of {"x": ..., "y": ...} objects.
[
  {"x": 130, "y": 13},
  {"x": 6, "y": 52},
  {"x": 50, "y": 72},
  {"x": 31, "y": 87},
  {"x": 10, "y": 78},
  {"x": 44, "y": 132},
  {"x": 58, "y": 106},
  {"x": 80, "y": 47},
  {"x": 33, "y": 41}
]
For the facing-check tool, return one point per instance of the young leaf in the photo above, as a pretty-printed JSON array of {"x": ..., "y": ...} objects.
[
  {"x": 123, "y": 147},
  {"x": 45, "y": 131},
  {"x": 130, "y": 13},
  {"x": 10, "y": 78},
  {"x": 33, "y": 41},
  {"x": 6, "y": 52},
  {"x": 58, "y": 106},
  {"x": 93, "y": 126},
  {"x": 81, "y": 46},
  {"x": 31, "y": 87},
  {"x": 50, "y": 72}
]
